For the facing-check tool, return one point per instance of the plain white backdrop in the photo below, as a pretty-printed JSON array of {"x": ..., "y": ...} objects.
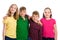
[{"x": 31, "y": 5}]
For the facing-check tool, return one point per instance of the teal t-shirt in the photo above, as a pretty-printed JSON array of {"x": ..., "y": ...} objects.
[{"x": 22, "y": 29}]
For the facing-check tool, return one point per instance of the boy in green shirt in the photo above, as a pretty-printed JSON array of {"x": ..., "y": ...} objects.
[{"x": 22, "y": 25}]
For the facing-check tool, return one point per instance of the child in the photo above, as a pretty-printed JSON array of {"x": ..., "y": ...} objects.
[
  {"x": 9, "y": 32},
  {"x": 35, "y": 32},
  {"x": 49, "y": 25},
  {"x": 22, "y": 25}
]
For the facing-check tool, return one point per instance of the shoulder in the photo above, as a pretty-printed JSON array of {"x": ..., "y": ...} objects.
[
  {"x": 5, "y": 20},
  {"x": 53, "y": 20}
]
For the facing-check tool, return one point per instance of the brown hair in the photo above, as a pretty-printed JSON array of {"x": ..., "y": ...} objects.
[
  {"x": 36, "y": 13},
  {"x": 22, "y": 8},
  {"x": 50, "y": 12},
  {"x": 15, "y": 14}
]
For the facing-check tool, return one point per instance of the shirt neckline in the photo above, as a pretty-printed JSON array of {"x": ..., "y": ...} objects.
[{"x": 47, "y": 20}]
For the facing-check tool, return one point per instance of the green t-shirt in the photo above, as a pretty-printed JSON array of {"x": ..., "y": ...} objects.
[{"x": 22, "y": 29}]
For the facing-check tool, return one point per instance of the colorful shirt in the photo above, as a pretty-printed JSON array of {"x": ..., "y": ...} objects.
[
  {"x": 10, "y": 30},
  {"x": 22, "y": 28},
  {"x": 48, "y": 27},
  {"x": 35, "y": 32}
]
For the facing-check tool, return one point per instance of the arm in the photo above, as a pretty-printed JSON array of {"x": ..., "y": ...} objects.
[
  {"x": 4, "y": 31},
  {"x": 4, "y": 27},
  {"x": 28, "y": 16},
  {"x": 55, "y": 30}
]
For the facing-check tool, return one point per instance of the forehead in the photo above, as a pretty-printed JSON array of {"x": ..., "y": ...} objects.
[
  {"x": 23, "y": 10},
  {"x": 14, "y": 6},
  {"x": 47, "y": 10},
  {"x": 35, "y": 15}
]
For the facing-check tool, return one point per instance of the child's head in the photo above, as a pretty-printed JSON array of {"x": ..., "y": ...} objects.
[
  {"x": 47, "y": 13},
  {"x": 13, "y": 10},
  {"x": 22, "y": 11},
  {"x": 35, "y": 15}
]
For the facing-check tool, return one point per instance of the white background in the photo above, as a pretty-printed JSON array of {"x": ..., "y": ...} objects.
[{"x": 31, "y": 5}]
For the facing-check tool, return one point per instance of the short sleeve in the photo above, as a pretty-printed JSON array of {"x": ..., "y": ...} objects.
[
  {"x": 54, "y": 21},
  {"x": 5, "y": 21}
]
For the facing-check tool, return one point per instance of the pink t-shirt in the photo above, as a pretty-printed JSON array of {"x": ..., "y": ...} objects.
[{"x": 48, "y": 28}]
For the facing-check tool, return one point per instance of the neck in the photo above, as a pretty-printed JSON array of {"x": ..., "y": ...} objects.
[
  {"x": 11, "y": 15},
  {"x": 23, "y": 17},
  {"x": 47, "y": 18}
]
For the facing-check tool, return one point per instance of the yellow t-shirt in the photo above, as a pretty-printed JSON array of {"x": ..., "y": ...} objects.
[{"x": 10, "y": 30}]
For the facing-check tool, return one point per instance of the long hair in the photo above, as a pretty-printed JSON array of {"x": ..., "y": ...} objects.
[
  {"x": 15, "y": 14},
  {"x": 50, "y": 12}
]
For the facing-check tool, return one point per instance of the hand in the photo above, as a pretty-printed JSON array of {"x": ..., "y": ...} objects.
[
  {"x": 55, "y": 38},
  {"x": 39, "y": 23},
  {"x": 3, "y": 36}
]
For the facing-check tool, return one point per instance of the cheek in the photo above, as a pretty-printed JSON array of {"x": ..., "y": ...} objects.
[
  {"x": 10, "y": 9},
  {"x": 49, "y": 14},
  {"x": 14, "y": 10},
  {"x": 36, "y": 17},
  {"x": 33, "y": 18},
  {"x": 24, "y": 13}
]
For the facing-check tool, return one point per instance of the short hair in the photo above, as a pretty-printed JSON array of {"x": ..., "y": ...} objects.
[
  {"x": 22, "y": 8},
  {"x": 50, "y": 12},
  {"x": 35, "y": 13}
]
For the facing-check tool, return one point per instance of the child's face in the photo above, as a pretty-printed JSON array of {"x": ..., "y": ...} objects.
[
  {"x": 23, "y": 13},
  {"x": 35, "y": 17},
  {"x": 47, "y": 13},
  {"x": 13, "y": 9}
]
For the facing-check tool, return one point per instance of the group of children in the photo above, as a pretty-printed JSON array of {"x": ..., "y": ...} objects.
[{"x": 20, "y": 26}]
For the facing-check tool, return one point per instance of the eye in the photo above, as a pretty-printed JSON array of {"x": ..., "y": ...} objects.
[
  {"x": 15, "y": 8},
  {"x": 48, "y": 12},
  {"x": 45, "y": 12}
]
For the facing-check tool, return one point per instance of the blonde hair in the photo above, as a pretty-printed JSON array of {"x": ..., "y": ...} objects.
[{"x": 15, "y": 14}]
